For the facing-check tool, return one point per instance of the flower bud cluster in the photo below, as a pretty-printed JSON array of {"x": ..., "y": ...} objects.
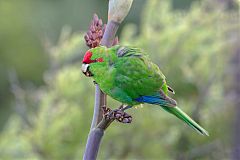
[{"x": 95, "y": 32}]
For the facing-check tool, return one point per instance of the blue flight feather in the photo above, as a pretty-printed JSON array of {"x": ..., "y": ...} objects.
[{"x": 154, "y": 99}]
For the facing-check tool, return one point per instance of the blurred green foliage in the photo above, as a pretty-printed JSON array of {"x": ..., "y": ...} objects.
[
  {"x": 25, "y": 26},
  {"x": 192, "y": 49}
]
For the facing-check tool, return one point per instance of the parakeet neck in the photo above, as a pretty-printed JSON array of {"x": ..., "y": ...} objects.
[
  {"x": 98, "y": 70},
  {"x": 103, "y": 69}
]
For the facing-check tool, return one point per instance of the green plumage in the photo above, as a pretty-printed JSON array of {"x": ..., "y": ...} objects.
[{"x": 128, "y": 75}]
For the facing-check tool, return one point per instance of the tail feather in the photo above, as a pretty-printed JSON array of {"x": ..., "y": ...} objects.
[
  {"x": 184, "y": 117},
  {"x": 170, "y": 106}
]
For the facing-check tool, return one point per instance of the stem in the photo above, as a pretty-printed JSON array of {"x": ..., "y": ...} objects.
[
  {"x": 100, "y": 97},
  {"x": 93, "y": 143},
  {"x": 104, "y": 123},
  {"x": 100, "y": 100},
  {"x": 102, "y": 103},
  {"x": 96, "y": 133},
  {"x": 109, "y": 35},
  {"x": 117, "y": 11}
]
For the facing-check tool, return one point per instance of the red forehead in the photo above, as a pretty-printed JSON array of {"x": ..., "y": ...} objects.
[{"x": 87, "y": 57}]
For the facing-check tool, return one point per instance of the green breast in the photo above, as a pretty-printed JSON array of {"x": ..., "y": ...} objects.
[{"x": 105, "y": 76}]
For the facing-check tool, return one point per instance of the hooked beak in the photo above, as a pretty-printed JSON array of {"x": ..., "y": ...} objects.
[{"x": 85, "y": 70}]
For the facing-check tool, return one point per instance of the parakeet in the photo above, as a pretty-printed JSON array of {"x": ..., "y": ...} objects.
[{"x": 129, "y": 76}]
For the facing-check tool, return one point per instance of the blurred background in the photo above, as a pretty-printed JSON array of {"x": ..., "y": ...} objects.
[{"x": 46, "y": 103}]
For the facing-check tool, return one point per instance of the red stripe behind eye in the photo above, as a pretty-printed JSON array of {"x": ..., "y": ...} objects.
[{"x": 100, "y": 60}]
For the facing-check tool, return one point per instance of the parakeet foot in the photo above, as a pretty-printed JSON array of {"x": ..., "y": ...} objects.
[
  {"x": 117, "y": 114},
  {"x": 122, "y": 116},
  {"x": 106, "y": 110}
]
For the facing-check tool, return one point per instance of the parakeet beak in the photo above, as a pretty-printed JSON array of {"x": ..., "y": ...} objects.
[{"x": 85, "y": 70}]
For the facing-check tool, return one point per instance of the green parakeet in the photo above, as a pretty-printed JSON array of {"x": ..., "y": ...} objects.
[{"x": 128, "y": 75}]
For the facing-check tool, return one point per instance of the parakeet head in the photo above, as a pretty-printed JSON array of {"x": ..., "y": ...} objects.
[{"x": 92, "y": 56}]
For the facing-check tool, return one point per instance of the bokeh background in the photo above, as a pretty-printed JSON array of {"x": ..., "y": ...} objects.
[{"x": 46, "y": 103}]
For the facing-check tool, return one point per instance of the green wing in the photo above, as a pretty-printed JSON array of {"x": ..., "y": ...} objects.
[
  {"x": 135, "y": 74},
  {"x": 138, "y": 53}
]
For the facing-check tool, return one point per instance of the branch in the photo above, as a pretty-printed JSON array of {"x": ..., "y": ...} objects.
[
  {"x": 117, "y": 11},
  {"x": 93, "y": 143},
  {"x": 100, "y": 100},
  {"x": 100, "y": 97},
  {"x": 96, "y": 134}
]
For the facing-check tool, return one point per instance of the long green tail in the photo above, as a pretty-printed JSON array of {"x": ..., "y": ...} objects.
[{"x": 184, "y": 117}]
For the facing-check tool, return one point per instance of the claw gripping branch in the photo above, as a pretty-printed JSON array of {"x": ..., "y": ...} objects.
[{"x": 116, "y": 114}]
